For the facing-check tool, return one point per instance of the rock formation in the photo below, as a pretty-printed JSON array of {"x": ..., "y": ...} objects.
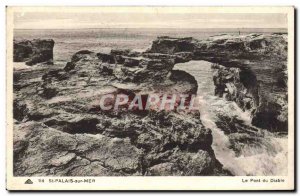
[
  {"x": 60, "y": 130},
  {"x": 250, "y": 69},
  {"x": 34, "y": 51}
]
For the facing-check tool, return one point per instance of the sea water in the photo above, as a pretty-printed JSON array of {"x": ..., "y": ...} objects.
[
  {"x": 69, "y": 41},
  {"x": 269, "y": 157}
]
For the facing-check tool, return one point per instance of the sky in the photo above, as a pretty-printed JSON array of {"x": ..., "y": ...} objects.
[{"x": 74, "y": 20}]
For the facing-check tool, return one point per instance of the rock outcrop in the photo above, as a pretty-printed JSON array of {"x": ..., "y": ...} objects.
[
  {"x": 33, "y": 51},
  {"x": 60, "y": 129},
  {"x": 250, "y": 69}
]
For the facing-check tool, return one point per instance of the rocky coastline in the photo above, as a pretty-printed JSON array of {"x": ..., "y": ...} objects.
[{"x": 59, "y": 129}]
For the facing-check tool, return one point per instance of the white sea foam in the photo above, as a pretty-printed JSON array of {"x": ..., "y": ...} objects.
[{"x": 267, "y": 158}]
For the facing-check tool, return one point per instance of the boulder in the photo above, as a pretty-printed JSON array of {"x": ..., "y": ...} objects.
[{"x": 33, "y": 51}]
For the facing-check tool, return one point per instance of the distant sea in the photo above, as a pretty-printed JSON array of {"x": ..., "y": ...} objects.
[{"x": 69, "y": 41}]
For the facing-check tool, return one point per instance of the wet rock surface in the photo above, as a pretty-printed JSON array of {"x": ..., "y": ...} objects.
[{"x": 33, "y": 51}]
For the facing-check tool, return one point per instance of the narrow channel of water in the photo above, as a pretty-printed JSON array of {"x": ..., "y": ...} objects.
[{"x": 243, "y": 152}]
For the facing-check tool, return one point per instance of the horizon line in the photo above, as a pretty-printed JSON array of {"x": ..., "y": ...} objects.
[{"x": 283, "y": 28}]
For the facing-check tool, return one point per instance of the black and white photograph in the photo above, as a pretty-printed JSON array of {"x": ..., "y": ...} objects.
[{"x": 144, "y": 92}]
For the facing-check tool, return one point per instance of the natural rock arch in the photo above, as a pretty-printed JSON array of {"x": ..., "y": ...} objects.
[{"x": 252, "y": 70}]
